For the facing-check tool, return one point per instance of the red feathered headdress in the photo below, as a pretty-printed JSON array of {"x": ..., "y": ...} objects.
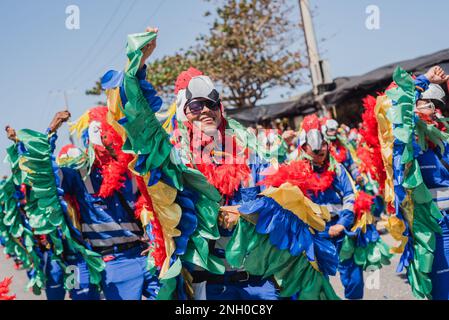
[{"x": 184, "y": 78}]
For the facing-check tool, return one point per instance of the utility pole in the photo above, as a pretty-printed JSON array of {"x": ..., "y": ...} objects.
[{"x": 319, "y": 69}]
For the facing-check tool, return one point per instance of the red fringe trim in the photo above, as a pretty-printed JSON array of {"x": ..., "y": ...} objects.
[
  {"x": 110, "y": 159},
  {"x": 227, "y": 178},
  {"x": 301, "y": 174},
  {"x": 369, "y": 150},
  {"x": 362, "y": 204},
  {"x": 158, "y": 253},
  {"x": 231, "y": 172},
  {"x": 184, "y": 78}
]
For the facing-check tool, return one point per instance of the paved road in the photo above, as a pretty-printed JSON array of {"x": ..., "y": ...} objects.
[
  {"x": 392, "y": 286},
  {"x": 19, "y": 280}
]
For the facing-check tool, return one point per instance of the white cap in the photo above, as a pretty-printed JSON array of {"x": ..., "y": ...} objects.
[
  {"x": 434, "y": 92},
  {"x": 202, "y": 87}
]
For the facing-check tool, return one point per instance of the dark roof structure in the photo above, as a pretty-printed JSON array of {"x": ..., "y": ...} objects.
[{"x": 348, "y": 92}]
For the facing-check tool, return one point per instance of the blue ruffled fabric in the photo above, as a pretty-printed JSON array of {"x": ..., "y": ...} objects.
[
  {"x": 287, "y": 232},
  {"x": 362, "y": 239},
  {"x": 114, "y": 79},
  {"x": 400, "y": 194},
  {"x": 188, "y": 223}
]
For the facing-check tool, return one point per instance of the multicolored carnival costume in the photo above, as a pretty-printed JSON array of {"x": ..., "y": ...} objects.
[
  {"x": 415, "y": 153},
  {"x": 47, "y": 213},
  {"x": 359, "y": 246},
  {"x": 177, "y": 205},
  {"x": 158, "y": 163}
]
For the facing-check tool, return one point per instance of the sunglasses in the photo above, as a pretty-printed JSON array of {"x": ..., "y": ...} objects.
[
  {"x": 429, "y": 105},
  {"x": 197, "y": 106}
]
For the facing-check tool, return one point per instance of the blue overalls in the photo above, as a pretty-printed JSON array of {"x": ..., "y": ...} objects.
[
  {"x": 109, "y": 226},
  {"x": 435, "y": 172},
  {"x": 255, "y": 288},
  {"x": 339, "y": 199}
]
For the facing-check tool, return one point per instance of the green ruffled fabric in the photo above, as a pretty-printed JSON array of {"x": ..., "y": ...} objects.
[
  {"x": 373, "y": 256},
  {"x": 258, "y": 256},
  {"x": 20, "y": 240},
  {"x": 247, "y": 138},
  {"x": 46, "y": 215},
  {"x": 424, "y": 220},
  {"x": 13, "y": 246}
]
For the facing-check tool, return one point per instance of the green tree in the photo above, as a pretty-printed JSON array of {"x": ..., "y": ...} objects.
[{"x": 251, "y": 47}]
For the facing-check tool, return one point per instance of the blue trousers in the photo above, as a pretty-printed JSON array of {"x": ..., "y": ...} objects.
[
  {"x": 440, "y": 268},
  {"x": 54, "y": 287},
  {"x": 126, "y": 277},
  {"x": 351, "y": 274},
  {"x": 256, "y": 290}
]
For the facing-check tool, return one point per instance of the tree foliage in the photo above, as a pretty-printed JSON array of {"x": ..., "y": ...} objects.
[{"x": 250, "y": 48}]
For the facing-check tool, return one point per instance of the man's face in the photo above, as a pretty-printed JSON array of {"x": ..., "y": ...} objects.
[
  {"x": 319, "y": 157},
  {"x": 332, "y": 133},
  {"x": 208, "y": 117},
  {"x": 425, "y": 108}
]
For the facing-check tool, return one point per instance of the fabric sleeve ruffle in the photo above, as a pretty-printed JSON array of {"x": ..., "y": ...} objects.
[
  {"x": 416, "y": 211},
  {"x": 278, "y": 236},
  {"x": 44, "y": 208}
]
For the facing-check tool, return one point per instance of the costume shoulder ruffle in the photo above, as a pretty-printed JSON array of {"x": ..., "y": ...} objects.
[
  {"x": 417, "y": 215},
  {"x": 278, "y": 237},
  {"x": 44, "y": 207}
]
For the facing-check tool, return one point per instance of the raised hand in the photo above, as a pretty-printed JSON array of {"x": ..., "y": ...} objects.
[
  {"x": 437, "y": 75},
  {"x": 11, "y": 133},
  {"x": 228, "y": 217},
  {"x": 58, "y": 120},
  {"x": 149, "y": 48}
]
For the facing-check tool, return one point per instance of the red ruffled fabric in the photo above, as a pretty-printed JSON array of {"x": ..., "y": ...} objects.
[
  {"x": 227, "y": 178},
  {"x": 362, "y": 204},
  {"x": 4, "y": 289},
  {"x": 110, "y": 159},
  {"x": 301, "y": 174},
  {"x": 369, "y": 150},
  {"x": 158, "y": 246}
]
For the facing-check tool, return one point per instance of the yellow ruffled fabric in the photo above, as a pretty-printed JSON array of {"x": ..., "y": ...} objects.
[
  {"x": 396, "y": 228},
  {"x": 169, "y": 214},
  {"x": 80, "y": 125},
  {"x": 168, "y": 125},
  {"x": 290, "y": 197},
  {"x": 366, "y": 219},
  {"x": 115, "y": 112},
  {"x": 386, "y": 139}
]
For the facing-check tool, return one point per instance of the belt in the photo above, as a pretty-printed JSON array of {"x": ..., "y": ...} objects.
[
  {"x": 237, "y": 277},
  {"x": 119, "y": 248}
]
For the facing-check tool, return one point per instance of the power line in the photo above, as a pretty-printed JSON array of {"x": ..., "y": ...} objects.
[
  {"x": 120, "y": 51},
  {"x": 105, "y": 27},
  {"x": 109, "y": 38}
]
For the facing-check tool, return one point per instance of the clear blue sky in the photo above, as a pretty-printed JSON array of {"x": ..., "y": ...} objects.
[{"x": 40, "y": 56}]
